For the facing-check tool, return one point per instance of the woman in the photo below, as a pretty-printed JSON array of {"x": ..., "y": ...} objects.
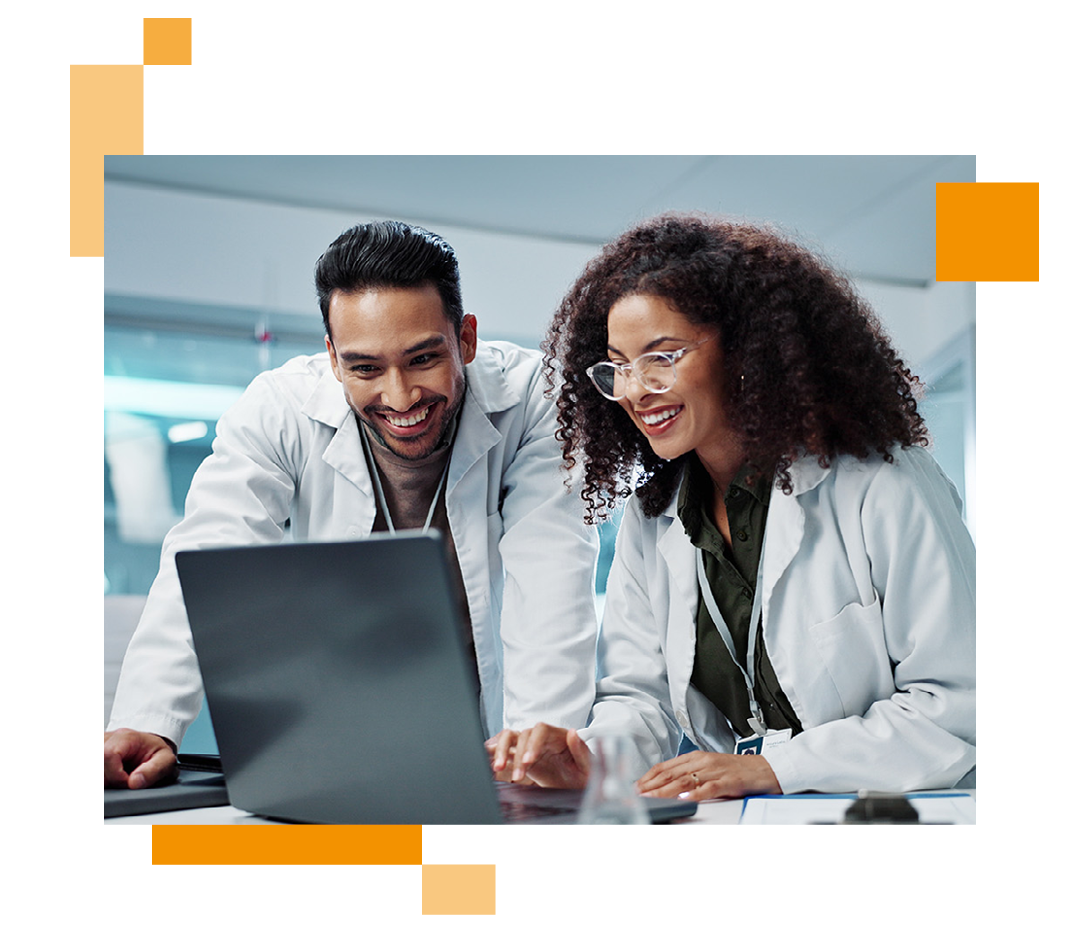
[{"x": 793, "y": 588}]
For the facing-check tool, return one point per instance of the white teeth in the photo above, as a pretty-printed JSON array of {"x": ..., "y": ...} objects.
[
  {"x": 412, "y": 420},
  {"x": 658, "y": 417}
]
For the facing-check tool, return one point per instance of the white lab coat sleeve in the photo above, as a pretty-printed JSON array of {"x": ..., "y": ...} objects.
[
  {"x": 922, "y": 568},
  {"x": 633, "y": 697},
  {"x": 240, "y": 495},
  {"x": 548, "y": 621}
]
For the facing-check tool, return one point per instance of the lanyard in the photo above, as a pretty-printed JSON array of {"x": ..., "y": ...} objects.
[
  {"x": 379, "y": 487},
  {"x": 757, "y": 721}
]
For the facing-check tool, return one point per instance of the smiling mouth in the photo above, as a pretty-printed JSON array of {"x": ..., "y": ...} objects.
[
  {"x": 661, "y": 415},
  {"x": 655, "y": 422},
  {"x": 404, "y": 422}
]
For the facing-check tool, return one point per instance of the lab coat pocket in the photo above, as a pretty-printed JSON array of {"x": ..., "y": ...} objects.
[{"x": 852, "y": 649}]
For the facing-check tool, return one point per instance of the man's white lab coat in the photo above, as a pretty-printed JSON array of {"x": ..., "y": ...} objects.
[{"x": 290, "y": 450}]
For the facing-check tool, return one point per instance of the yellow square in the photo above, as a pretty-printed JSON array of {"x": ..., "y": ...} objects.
[
  {"x": 459, "y": 889},
  {"x": 988, "y": 231},
  {"x": 167, "y": 41}
]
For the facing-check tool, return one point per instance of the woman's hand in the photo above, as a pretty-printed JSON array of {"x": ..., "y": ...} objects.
[
  {"x": 703, "y": 775},
  {"x": 542, "y": 756}
]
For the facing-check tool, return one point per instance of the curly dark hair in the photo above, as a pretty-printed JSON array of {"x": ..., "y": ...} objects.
[{"x": 807, "y": 367}]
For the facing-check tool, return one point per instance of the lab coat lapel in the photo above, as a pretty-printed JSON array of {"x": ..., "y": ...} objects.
[
  {"x": 345, "y": 452},
  {"x": 785, "y": 527},
  {"x": 678, "y": 553},
  {"x": 475, "y": 437},
  {"x": 487, "y": 393}
]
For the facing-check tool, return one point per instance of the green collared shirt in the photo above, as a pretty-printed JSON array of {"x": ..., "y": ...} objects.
[{"x": 732, "y": 575}]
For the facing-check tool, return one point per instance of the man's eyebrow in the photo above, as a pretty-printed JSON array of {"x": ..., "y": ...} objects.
[{"x": 436, "y": 341}]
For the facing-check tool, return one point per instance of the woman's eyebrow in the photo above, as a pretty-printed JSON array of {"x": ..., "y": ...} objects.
[{"x": 652, "y": 345}]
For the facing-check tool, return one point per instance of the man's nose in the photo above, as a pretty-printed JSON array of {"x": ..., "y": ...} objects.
[{"x": 398, "y": 392}]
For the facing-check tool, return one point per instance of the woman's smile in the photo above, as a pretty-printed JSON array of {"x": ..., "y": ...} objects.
[{"x": 656, "y": 421}]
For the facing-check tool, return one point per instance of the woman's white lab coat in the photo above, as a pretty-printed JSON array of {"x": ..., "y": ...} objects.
[
  {"x": 290, "y": 449},
  {"x": 868, "y": 611}
]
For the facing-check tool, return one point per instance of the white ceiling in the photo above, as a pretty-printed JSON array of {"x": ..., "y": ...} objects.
[{"x": 873, "y": 215}]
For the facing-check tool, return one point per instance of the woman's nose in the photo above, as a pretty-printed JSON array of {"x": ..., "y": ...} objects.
[{"x": 635, "y": 389}]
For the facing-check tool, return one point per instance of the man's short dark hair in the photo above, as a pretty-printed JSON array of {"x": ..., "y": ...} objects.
[{"x": 386, "y": 255}]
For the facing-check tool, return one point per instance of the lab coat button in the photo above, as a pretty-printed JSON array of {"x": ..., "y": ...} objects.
[{"x": 681, "y": 718}]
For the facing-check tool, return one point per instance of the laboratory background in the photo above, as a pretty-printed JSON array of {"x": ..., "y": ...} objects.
[{"x": 208, "y": 281}]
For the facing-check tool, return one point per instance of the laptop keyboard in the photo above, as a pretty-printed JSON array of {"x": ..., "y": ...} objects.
[{"x": 514, "y": 810}]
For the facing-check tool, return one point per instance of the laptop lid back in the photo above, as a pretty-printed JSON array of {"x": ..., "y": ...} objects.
[{"x": 337, "y": 681}]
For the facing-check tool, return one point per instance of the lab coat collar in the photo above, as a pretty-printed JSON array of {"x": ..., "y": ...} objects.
[
  {"x": 345, "y": 452},
  {"x": 807, "y": 473},
  {"x": 327, "y": 401},
  {"x": 786, "y": 520},
  {"x": 487, "y": 392},
  {"x": 487, "y": 381}
]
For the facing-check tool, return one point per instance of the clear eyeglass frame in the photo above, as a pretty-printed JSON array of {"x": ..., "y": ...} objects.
[{"x": 654, "y": 370}]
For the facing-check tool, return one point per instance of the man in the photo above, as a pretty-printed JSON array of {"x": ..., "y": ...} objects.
[{"x": 408, "y": 420}]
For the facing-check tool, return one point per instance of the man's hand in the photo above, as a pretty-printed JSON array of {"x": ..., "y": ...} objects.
[
  {"x": 703, "y": 775},
  {"x": 542, "y": 756},
  {"x": 136, "y": 759}
]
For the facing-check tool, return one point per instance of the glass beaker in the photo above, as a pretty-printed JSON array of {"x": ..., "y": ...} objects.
[{"x": 611, "y": 798}]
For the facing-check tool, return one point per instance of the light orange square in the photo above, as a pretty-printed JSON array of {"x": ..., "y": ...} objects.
[
  {"x": 459, "y": 889},
  {"x": 988, "y": 231},
  {"x": 167, "y": 41}
]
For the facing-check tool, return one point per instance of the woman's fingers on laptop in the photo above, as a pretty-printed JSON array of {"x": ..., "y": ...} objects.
[{"x": 137, "y": 759}]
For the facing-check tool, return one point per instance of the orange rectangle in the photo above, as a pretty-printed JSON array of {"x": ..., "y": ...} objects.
[
  {"x": 287, "y": 844},
  {"x": 106, "y": 119}
]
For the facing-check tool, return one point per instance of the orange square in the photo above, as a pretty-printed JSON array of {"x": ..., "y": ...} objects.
[
  {"x": 166, "y": 41},
  {"x": 988, "y": 232},
  {"x": 459, "y": 889}
]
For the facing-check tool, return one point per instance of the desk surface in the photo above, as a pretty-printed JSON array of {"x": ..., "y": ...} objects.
[
  {"x": 715, "y": 812},
  {"x": 709, "y": 813}
]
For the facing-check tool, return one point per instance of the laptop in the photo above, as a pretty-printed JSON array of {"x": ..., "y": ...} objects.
[
  {"x": 191, "y": 789},
  {"x": 340, "y": 689}
]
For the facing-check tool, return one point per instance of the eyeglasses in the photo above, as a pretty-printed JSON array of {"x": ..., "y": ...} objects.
[{"x": 655, "y": 371}]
